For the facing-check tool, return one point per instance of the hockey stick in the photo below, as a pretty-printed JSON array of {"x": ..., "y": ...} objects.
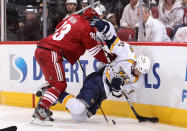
[
  {"x": 108, "y": 122},
  {"x": 92, "y": 4},
  {"x": 10, "y": 128},
  {"x": 140, "y": 118}
]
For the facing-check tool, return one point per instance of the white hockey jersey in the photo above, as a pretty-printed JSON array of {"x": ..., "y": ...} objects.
[{"x": 121, "y": 66}]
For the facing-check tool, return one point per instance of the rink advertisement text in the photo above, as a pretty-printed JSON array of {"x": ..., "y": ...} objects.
[
  {"x": 164, "y": 85},
  {"x": 156, "y": 85}
]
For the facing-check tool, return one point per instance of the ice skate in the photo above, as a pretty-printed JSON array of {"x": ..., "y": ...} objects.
[
  {"x": 40, "y": 117},
  {"x": 40, "y": 91},
  {"x": 49, "y": 113}
]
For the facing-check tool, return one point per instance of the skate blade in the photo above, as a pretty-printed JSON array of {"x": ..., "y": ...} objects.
[{"x": 36, "y": 121}]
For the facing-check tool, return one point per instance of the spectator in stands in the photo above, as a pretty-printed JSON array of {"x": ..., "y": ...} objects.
[
  {"x": 84, "y": 3},
  {"x": 184, "y": 17},
  {"x": 115, "y": 6},
  {"x": 129, "y": 17},
  {"x": 29, "y": 29},
  {"x": 154, "y": 30},
  {"x": 184, "y": 2},
  {"x": 181, "y": 34},
  {"x": 112, "y": 18},
  {"x": 71, "y": 6},
  {"x": 171, "y": 13},
  {"x": 185, "y": 9}
]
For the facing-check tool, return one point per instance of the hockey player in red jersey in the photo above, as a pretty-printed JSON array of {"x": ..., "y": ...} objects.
[{"x": 73, "y": 36}]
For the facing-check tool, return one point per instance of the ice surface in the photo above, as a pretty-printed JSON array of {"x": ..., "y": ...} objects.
[{"x": 21, "y": 118}]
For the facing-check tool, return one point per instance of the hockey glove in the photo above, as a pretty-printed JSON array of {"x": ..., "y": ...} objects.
[
  {"x": 116, "y": 90},
  {"x": 99, "y": 24},
  {"x": 116, "y": 83},
  {"x": 117, "y": 94}
]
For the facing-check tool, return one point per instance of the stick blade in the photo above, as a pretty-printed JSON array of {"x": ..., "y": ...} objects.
[
  {"x": 148, "y": 119},
  {"x": 11, "y": 128},
  {"x": 111, "y": 123}
]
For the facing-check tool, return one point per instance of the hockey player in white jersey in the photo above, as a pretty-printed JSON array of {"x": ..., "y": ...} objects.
[{"x": 98, "y": 86}]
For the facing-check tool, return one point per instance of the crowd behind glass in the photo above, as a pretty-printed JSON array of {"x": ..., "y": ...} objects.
[{"x": 25, "y": 17}]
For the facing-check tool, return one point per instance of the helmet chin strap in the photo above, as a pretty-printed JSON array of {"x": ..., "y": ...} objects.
[
  {"x": 133, "y": 65},
  {"x": 133, "y": 71},
  {"x": 133, "y": 68}
]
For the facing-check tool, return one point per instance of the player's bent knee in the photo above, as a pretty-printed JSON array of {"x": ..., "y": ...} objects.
[
  {"x": 80, "y": 117},
  {"x": 76, "y": 106}
]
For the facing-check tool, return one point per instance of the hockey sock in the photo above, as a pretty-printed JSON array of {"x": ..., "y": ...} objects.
[{"x": 49, "y": 98}]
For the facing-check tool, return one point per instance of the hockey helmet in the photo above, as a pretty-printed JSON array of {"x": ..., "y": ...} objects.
[
  {"x": 84, "y": 1},
  {"x": 98, "y": 10},
  {"x": 110, "y": 15},
  {"x": 30, "y": 8},
  {"x": 102, "y": 8},
  {"x": 71, "y": 1},
  {"x": 143, "y": 64},
  {"x": 89, "y": 13}
]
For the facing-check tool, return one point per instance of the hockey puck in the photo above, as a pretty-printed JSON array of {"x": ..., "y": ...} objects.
[{"x": 38, "y": 93}]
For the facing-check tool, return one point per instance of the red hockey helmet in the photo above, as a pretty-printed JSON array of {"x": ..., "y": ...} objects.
[{"x": 89, "y": 13}]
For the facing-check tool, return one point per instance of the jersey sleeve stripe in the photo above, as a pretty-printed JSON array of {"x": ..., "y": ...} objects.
[
  {"x": 112, "y": 46},
  {"x": 107, "y": 75},
  {"x": 95, "y": 50}
]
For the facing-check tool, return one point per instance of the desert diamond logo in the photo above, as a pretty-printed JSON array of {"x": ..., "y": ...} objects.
[{"x": 18, "y": 68}]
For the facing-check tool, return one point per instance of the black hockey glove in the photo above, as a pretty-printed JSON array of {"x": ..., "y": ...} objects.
[
  {"x": 116, "y": 90},
  {"x": 116, "y": 83},
  {"x": 117, "y": 94},
  {"x": 98, "y": 23}
]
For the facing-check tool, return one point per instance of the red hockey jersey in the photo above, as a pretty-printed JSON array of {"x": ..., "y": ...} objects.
[{"x": 71, "y": 39}]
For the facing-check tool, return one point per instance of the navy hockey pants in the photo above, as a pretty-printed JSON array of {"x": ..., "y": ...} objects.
[{"x": 92, "y": 93}]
